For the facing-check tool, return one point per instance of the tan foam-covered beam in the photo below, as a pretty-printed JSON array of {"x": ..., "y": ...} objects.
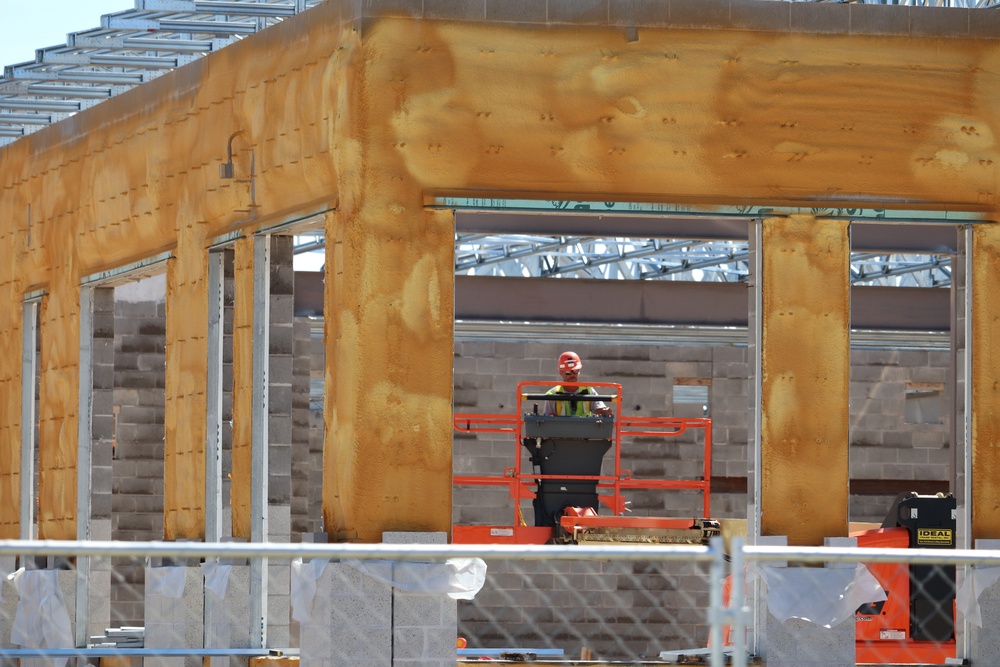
[
  {"x": 58, "y": 413},
  {"x": 805, "y": 378},
  {"x": 10, "y": 403},
  {"x": 985, "y": 415},
  {"x": 186, "y": 380},
  {"x": 389, "y": 305}
]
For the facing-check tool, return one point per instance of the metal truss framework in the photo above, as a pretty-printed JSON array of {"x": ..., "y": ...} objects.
[
  {"x": 550, "y": 256},
  {"x": 660, "y": 259},
  {"x": 129, "y": 48},
  {"x": 137, "y": 45}
]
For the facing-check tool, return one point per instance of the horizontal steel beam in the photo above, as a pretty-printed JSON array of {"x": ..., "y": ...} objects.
[
  {"x": 25, "y": 118},
  {"x": 39, "y": 105},
  {"x": 48, "y": 73},
  {"x": 675, "y": 303}
]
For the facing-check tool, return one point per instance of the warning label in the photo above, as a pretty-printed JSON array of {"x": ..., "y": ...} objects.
[
  {"x": 501, "y": 532},
  {"x": 890, "y": 633},
  {"x": 935, "y": 536}
]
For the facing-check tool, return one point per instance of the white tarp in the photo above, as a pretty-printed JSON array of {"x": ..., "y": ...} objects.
[
  {"x": 824, "y": 596},
  {"x": 41, "y": 619},
  {"x": 166, "y": 581},
  {"x": 458, "y": 578},
  {"x": 971, "y": 584},
  {"x": 216, "y": 578}
]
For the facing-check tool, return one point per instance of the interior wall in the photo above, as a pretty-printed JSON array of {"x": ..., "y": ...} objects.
[{"x": 886, "y": 451}]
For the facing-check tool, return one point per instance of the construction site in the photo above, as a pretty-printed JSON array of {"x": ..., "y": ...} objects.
[{"x": 411, "y": 333}]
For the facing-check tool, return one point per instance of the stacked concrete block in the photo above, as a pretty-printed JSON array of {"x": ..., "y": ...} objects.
[
  {"x": 619, "y": 611},
  {"x": 174, "y": 621},
  {"x": 226, "y": 618},
  {"x": 351, "y": 620},
  {"x": 317, "y": 373},
  {"x": 301, "y": 446},
  {"x": 137, "y": 467},
  {"x": 424, "y": 626},
  {"x": 101, "y": 459},
  {"x": 799, "y": 643}
]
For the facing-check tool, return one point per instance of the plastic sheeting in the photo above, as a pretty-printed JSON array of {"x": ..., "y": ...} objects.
[
  {"x": 971, "y": 584},
  {"x": 823, "y": 596},
  {"x": 41, "y": 619},
  {"x": 303, "y": 592},
  {"x": 458, "y": 578},
  {"x": 216, "y": 578},
  {"x": 166, "y": 581}
]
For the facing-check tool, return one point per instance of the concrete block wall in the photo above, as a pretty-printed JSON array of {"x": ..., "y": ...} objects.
[
  {"x": 552, "y": 607},
  {"x": 175, "y": 622},
  {"x": 486, "y": 377},
  {"x": 102, "y": 457},
  {"x": 137, "y": 468},
  {"x": 621, "y": 611},
  {"x": 798, "y": 643},
  {"x": 301, "y": 500},
  {"x": 226, "y": 625},
  {"x": 423, "y": 626},
  {"x": 317, "y": 371},
  {"x": 351, "y": 620},
  {"x": 883, "y": 444}
]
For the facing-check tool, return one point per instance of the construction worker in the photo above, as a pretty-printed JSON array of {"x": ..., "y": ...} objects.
[{"x": 569, "y": 370}]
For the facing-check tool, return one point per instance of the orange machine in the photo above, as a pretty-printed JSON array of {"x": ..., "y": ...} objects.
[
  {"x": 916, "y": 623},
  {"x": 566, "y": 484}
]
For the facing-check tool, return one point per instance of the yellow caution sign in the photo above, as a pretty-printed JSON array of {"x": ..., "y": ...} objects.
[{"x": 935, "y": 536}]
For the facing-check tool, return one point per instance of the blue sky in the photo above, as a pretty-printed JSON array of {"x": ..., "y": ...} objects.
[{"x": 26, "y": 25}]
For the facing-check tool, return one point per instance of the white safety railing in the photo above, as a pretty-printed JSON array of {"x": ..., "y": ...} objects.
[{"x": 418, "y": 604}]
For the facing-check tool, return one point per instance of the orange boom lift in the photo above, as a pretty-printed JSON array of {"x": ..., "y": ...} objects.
[{"x": 566, "y": 484}]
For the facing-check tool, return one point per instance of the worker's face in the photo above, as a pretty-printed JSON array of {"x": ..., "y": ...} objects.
[{"x": 570, "y": 375}]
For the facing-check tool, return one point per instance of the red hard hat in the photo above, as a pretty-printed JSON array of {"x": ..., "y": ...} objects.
[{"x": 569, "y": 361}]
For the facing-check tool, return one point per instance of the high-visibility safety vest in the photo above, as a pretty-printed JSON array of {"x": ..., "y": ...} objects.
[{"x": 581, "y": 408}]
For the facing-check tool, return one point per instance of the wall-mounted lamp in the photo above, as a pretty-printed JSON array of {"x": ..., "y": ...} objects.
[{"x": 226, "y": 169}]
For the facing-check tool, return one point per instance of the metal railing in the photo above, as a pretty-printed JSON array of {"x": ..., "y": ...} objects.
[{"x": 616, "y": 602}]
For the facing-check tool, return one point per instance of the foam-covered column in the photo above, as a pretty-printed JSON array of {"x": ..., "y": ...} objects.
[
  {"x": 805, "y": 323},
  {"x": 58, "y": 405},
  {"x": 186, "y": 382},
  {"x": 389, "y": 321},
  {"x": 985, "y": 391},
  {"x": 16, "y": 358}
]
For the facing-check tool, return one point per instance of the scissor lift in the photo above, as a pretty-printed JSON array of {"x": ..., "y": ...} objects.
[{"x": 567, "y": 485}]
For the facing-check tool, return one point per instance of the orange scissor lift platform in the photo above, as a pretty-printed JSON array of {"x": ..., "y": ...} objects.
[{"x": 566, "y": 485}]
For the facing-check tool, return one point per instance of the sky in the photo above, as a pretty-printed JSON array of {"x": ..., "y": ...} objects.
[{"x": 26, "y": 25}]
